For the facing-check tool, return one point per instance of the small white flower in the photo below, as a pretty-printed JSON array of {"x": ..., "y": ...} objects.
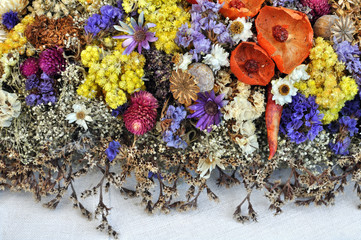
[
  {"x": 299, "y": 73},
  {"x": 80, "y": 115},
  {"x": 205, "y": 166},
  {"x": 183, "y": 63},
  {"x": 10, "y": 108},
  {"x": 240, "y": 30},
  {"x": 217, "y": 58},
  {"x": 283, "y": 90},
  {"x": 248, "y": 144},
  {"x": 2, "y": 35}
]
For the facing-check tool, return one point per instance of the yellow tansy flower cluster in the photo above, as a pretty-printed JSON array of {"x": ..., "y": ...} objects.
[
  {"x": 168, "y": 17},
  {"x": 15, "y": 39},
  {"x": 113, "y": 75},
  {"x": 327, "y": 81}
]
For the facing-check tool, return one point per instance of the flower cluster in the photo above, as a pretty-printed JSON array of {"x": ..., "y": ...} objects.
[
  {"x": 206, "y": 28},
  {"x": 327, "y": 82},
  {"x": 345, "y": 127},
  {"x": 350, "y": 56},
  {"x": 41, "y": 90},
  {"x": 105, "y": 21},
  {"x": 171, "y": 124},
  {"x": 10, "y": 108},
  {"x": 10, "y": 19},
  {"x": 301, "y": 119},
  {"x": 112, "y": 150},
  {"x": 167, "y": 17},
  {"x": 115, "y": 75}
]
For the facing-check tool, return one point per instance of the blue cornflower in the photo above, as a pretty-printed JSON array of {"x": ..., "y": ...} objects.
[
  {"x": 112, "y": 150},
  {"x": 301, "y": 119},
  {"x": 10, "y": 19}
]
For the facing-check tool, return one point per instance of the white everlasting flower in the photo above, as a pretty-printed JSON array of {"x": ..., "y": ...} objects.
[
  {"x": 14, "y": 5},
  {"x": 2, "y": 35},
  {"x": 217, "y": 58},
  {"x": 80, "y": 115},
  {"x": 185, "y": 60},
  {"x": 248, "y": 144},
  {"x": 205, "y": 166},
  {"x": 299, "y": 73},
  {"x": 10, "y": 108},
  {"x": 283, "y": 90},
  {"x": 240, "y": 30}
]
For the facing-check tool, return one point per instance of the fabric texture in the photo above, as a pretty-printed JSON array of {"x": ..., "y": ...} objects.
[{"x": 21, "y": 218}]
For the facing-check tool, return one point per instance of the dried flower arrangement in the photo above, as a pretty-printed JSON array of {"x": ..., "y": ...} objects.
[{"x": 175, "y": 92}]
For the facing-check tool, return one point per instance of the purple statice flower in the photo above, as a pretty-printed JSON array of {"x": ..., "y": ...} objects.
[
  {"x": 45, "y": 87},
  {"x": 32, "y": 82},
  {"x": 112, "y": 150},
  {"x": 119, "y": 110},
  {"x": 345, "y": 127},
  {"x": 47, "y": 98},
  {"x": 281, "y": 3},
  {"x": 301, "y": 119},
  {"x": 152, "y": 174},
  {"x": 93, "y": 24},
  {"x": 341, "y": 147},
  {"x": 110, "y": 16},
  {"x": 10, "y": 19},
  {"x": 32, "y": 99},
  {"x": 208, "y": 110},
  {"x": 350, "y": 55},
  {"x": 170, "y": 136},
  {"x": 138, "y": 34},
  {"x": 201, "y": 46},
  {"x": 184, "y": 36}
]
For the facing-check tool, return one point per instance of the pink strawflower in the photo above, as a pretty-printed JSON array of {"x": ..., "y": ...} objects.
[
  {"x": 52, "y": 61},
  {"x": 319, "y": 8},
  {"x": 29, "y": 67},
  {"x": 140, "y": 117}
]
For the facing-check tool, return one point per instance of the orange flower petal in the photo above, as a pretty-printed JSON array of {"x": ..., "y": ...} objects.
[
  {"x": 296, "y": 48},
  {"x": 251, "y": 51},
  {"x": 250, "y": 9}
]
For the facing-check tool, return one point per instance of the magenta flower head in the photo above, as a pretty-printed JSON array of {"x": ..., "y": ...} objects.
[
  {"x": 52, "y": 61},
  {"x": 208, "y": 110},
  {"x": 138, "y": 35},
  {"x": 29, "y": 67}
]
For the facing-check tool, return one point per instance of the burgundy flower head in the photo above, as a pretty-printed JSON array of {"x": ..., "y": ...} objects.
[
  {"x": 52, "y": 61},
  {"x": 140, "y": 117},
  {"x": 29, "y": 67}
]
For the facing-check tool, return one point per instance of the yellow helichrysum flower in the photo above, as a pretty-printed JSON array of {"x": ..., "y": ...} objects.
[{"x": 327, "y": 81}]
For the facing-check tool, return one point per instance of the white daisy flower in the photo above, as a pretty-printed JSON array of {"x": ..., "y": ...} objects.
[
  {"x": 240, "y": 30},
  {"x": 80, "y": 115},
  {"x": 205, "y": 166},
  {"x": 217, "y": 58},
  {"x": 248, "y": 144},
  {"x": 183, "y": 62},
  {"x": 283, "y": 90},
  {"x": 299, "y": 73}
]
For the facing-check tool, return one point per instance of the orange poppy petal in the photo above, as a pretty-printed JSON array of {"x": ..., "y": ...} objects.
[
  {"x": 251, "y": 51},
  {"x": 250, "y": 9},
  {"x": 296, "y": 48}
]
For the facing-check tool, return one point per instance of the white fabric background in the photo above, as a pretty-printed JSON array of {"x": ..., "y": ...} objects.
[{"x": 21, "y": 218}]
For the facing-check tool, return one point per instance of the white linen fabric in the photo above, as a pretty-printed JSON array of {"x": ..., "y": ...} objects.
[{"x": 21, "y": 218}]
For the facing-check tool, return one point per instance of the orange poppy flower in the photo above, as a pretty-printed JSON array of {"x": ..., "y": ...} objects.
[
  {"x": 251, "y": 64},
  {"x": 286, "y": 35},
  {"x": 240, "y": 8}
]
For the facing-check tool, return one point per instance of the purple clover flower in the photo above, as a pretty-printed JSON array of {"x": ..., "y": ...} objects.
[
  {"x": 138, "y": 34},
  {"x": 301, "y": 120},
  {"x": 112, "y": 150},
  {"x": 208, "y": 110},
  {"x": 10, "y": 19}
]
